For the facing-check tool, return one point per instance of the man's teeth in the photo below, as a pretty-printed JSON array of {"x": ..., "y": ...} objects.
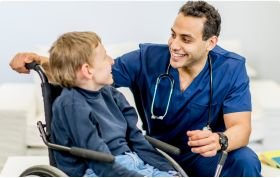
[{"x": 178, "y": 55}]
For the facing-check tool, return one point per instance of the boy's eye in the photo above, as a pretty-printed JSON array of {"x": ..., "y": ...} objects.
[{"x": 173, "y": 35}]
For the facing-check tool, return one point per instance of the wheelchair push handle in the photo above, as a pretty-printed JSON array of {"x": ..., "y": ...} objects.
[{"x": 33, "y": 65}]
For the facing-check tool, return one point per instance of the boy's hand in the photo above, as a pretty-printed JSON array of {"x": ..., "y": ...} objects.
[
  {"x": 204, "y": 142},
  {"x": 20, "y": 59}
]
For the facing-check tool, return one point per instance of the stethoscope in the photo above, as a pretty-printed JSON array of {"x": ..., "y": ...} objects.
[{"x": 171, "y": 79}]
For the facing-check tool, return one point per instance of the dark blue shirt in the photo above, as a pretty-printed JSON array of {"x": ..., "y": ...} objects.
[
  {"x": 188, "y": 110},
  {"x": 101, "y": 121}
]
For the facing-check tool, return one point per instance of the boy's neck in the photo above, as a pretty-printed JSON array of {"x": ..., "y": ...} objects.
[{"x": 90, "y": 86}]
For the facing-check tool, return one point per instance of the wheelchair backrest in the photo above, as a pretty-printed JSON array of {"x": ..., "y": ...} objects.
[{"x": 49, "y": 92}]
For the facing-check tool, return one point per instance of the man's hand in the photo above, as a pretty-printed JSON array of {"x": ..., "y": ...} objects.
[
  {"x": 204, "y": 142},
  {"x": 20, "y": 59}
]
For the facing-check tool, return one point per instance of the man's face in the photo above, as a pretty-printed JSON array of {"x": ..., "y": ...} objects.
[{"x": 185, "y": 43}]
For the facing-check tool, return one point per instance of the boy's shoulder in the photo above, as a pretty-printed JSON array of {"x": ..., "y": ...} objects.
[
  {"x": 116, "y": 95},
  {"x": 69, "y": 96},
  {"x": 108, "y": 89}
]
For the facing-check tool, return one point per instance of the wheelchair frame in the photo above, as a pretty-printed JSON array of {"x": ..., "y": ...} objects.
[{"x": 50, "y": 92}]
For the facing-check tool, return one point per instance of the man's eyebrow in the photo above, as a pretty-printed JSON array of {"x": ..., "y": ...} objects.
[{"x": 183, "y": 35}]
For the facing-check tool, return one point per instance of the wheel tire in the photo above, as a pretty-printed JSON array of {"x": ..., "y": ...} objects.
[
  {"x": 43, "y": 171},
  {"x": 175, "y": 165}
]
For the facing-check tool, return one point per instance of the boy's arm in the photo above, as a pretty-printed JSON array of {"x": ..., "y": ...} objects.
[
  {"x": 135, "y": 138},
  {"x": 85, "y": 135}
]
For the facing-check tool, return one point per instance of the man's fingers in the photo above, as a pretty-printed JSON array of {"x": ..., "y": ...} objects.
[
  {"x": 193, "y": 132},
  {"x": 201, "y": 142},
  {"x": 204, "y": 149},
  {"x": 19, "y": 61},
  {"x": 198, "y": 134},
  {"x": 209, "y": 153}
]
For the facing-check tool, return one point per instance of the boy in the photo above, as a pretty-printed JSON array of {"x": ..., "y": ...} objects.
[{"x": 91, "y": 114}]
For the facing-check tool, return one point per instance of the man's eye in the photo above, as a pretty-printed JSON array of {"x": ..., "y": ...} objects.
[
  {"x": 186, "y": 40},
  {"x": 173, "y": 35}
]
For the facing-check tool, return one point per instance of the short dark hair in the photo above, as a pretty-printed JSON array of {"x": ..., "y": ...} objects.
[{"x": 212, "y": 25}]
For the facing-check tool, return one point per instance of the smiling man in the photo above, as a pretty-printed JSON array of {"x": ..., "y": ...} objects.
[
  {"x": 211, "y": 90},
  {"x": 190, "y": 93}
]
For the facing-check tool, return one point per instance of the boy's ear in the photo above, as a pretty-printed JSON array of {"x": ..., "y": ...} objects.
[{"x": 86, "y": 71}]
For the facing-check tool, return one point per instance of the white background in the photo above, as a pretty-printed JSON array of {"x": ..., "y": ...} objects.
[{"x": 31, "y": 26}]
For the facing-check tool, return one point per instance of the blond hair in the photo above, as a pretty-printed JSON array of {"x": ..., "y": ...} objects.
[{"x": 68, "y": 53}]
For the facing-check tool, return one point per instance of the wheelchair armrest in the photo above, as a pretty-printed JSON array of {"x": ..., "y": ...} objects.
[
  {"x": 90, "y": 154},
  {"x": 163, "y": 146},
  {"x": 80, "y": 152}
]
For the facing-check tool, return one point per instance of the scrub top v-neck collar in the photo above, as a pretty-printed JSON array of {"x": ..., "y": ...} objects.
[{"x": 195, "y": 84}]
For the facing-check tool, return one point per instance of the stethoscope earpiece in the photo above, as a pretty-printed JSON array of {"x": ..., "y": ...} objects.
[{"x": 157, "y": 117}]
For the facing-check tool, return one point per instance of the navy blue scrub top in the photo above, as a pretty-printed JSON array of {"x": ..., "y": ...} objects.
[{"x": 188, "y": 110}]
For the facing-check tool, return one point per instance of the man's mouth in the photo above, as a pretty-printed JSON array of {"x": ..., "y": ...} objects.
[{"x": 177, "y": 56}]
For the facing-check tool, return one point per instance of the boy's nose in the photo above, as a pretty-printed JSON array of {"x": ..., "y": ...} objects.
[{"x": 112, "y": 61}]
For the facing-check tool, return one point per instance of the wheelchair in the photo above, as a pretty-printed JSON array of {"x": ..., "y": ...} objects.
[{"x": 50, "y": 92}]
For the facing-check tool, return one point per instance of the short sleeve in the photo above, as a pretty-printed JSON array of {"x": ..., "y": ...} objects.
[
  {"x": 238, "y": 98},
  {"x": 126, "y": 69}
]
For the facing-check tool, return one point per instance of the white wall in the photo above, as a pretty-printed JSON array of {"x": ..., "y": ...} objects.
[
  {"x": 257, "y": 26},
  {"x": 28, "y": 26}
]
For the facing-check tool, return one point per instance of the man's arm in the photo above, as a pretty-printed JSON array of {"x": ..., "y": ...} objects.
[
  {"x": 238, "y": 129},
  {"x": 237, "y": 117},
  {"x": 20, "y": 59}
]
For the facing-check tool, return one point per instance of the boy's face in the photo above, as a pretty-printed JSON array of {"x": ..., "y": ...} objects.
[{"x": 102, "y": 67}]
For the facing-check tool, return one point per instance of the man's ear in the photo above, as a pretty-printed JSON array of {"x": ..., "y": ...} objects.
[
  {"x": 87, "y": 71},
  {"x": 212, "y": 42}
]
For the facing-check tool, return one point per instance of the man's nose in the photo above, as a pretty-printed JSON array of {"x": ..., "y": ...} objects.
[{"x": 175, "y": 44}]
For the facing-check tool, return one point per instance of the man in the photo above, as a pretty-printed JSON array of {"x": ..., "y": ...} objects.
[{"x": 187, "y": 86}]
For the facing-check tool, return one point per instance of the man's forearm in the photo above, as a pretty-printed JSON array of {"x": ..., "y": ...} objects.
[
  {"x": 43, "y": 60},
  {"x": 238, "y": 136}
]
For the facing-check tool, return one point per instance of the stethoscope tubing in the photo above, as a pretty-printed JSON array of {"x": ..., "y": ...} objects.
[{"x": 171, "y": 79}]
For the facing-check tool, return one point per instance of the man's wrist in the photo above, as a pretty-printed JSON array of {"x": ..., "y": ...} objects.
[
  {"x": 43, "y": 60},
  {"x": 223, "y": 141},
  {"x": 218, "y": 141}
]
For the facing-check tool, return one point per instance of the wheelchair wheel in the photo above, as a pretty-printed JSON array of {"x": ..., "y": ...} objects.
[
  {"x": 43, "y": 171},
  {"x": 175, "y": 165}
]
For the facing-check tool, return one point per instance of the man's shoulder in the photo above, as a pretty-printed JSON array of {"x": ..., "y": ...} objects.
[
  {"x": 152, "y": 54},
  {"x": 227, "y": 56},
  {"x": 152, "y": 46}
]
